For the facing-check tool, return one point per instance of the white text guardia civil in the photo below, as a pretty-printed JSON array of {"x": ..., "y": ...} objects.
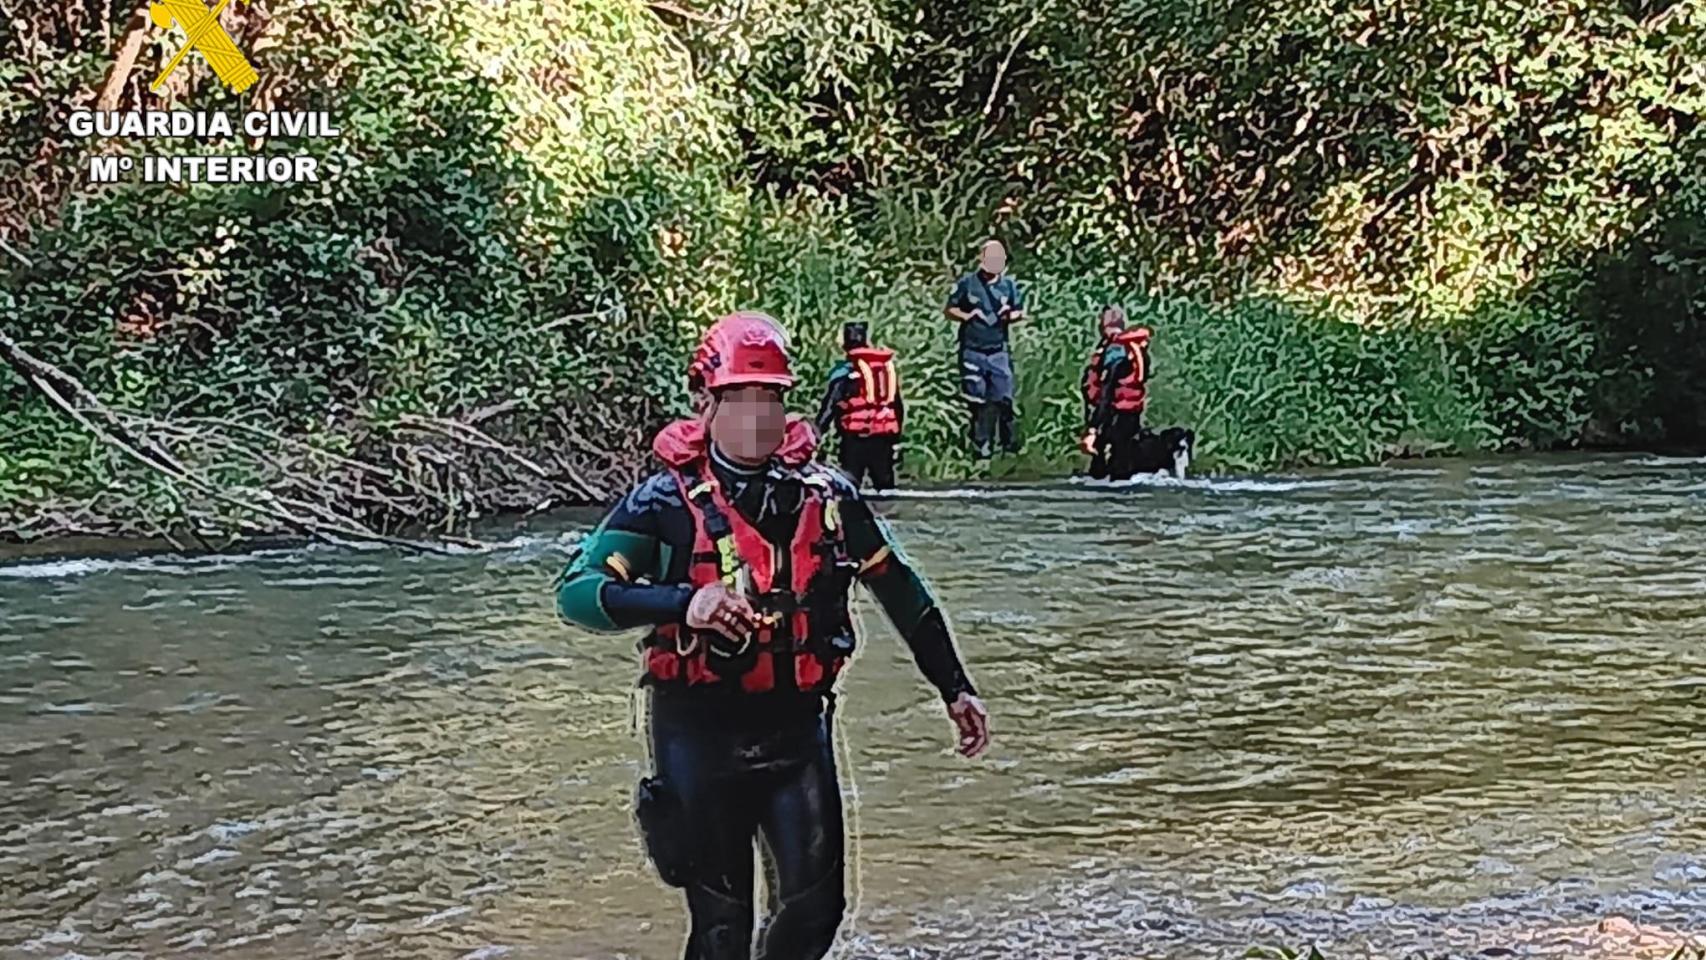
[{"x": 199, "y": 124}]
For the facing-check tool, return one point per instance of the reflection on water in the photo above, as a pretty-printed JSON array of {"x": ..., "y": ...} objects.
[{"x": 1453, "y": 708}]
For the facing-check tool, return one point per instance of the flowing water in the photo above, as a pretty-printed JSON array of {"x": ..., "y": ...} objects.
[{"x": 1454, "y": 709}]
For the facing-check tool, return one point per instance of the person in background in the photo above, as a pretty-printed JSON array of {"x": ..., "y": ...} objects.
[
  {"x": 737, "y": 558},
  {"x": 1116, "y": 391},
  {"x": 863, "y": 402},
  {"x": 985, "y": 303}
]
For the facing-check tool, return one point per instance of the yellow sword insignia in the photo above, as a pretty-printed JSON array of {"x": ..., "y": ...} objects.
[{"x": 206, "y": 35}]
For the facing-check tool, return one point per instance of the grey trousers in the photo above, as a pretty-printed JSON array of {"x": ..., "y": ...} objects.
[{"x": 986, "y": 380}]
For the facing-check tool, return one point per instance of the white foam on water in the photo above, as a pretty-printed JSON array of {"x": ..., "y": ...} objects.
[
  {"x": 167, "y": 564},
  {"x": 961, "y": 493},
  {"x": 529, "y": 546},
  {"x": 178, "y": 565},
  {"x": 1208, "y": 484},
  {"x": 53, "y": 569},
  {"x": 1079, "y": 487},
  {"x": 453, "y": 912}
]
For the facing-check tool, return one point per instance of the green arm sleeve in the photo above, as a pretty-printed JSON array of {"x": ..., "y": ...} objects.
[{"x": 606, "y": 557}]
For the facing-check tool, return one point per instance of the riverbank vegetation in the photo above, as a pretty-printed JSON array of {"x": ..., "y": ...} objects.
[{"x": 1360, "y": 232}]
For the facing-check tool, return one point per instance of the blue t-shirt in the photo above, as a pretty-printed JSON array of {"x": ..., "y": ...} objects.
[{"x": 987, "y": 332}]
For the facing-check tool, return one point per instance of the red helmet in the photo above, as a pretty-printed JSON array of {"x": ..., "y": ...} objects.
[{"x": 741, "y": 348}]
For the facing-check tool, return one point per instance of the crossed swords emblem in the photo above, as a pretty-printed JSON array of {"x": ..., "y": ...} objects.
[{"x": 206, "y": 35}]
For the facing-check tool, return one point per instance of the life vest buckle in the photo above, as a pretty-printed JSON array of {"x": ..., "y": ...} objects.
[{"x": 777, "y": 606}]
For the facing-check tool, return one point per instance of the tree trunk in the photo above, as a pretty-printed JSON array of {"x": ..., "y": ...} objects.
[{"x": 134, "y": 34}]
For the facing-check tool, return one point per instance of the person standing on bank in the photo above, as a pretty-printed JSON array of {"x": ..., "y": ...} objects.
[
  {"x": 985, "y": 303},
  {"x": 863, "y": 402},
  {"x": 1116, "y": 392},
  {"x": 739, "y": 557}
]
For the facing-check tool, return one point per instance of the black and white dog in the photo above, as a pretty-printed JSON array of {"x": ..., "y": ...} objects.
[{"x": 1168, "y": 451}]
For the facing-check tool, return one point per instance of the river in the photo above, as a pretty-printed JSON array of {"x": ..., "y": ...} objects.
[{"x": 1451, "y": 708}]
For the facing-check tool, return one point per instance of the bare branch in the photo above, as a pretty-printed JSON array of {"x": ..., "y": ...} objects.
[
  {"x": 1001, "y": 70},
  {"x": 693, "y": 15},
  {"x": 16, "y": 255},
  {"x": 135, "y": 32}
]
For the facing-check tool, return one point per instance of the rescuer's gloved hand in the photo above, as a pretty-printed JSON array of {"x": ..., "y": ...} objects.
[{"x": 716, "y": 607}]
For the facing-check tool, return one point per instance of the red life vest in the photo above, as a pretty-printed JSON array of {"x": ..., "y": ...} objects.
[
  {"x": 808, "y": 635},
  {"x": 871, "y": 412},
  {"x": 1130, "y": 393}
]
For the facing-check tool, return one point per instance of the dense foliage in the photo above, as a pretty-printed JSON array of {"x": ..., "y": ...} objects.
[{"x": 1360, "y": 230}]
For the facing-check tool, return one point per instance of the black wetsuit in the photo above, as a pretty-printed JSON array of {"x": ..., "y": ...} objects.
[
  {"x": 748, "y": 766},
  {"x": 742, "y": 771}
]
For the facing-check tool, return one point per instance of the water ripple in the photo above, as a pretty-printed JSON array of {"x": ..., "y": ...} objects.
[{"x": 1450, "y": 708}]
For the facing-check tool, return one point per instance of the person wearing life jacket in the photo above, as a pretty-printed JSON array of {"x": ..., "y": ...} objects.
[
  {"x": 1116, "y": 392},
  {"x": 864, "y": 404},
  {"x": 736, "y": 559}
]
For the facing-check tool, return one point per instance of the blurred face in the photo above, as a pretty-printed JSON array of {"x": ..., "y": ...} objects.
[
  {"x": 1111, "y": 322},
  {"x": 993, "y": 260},
  {"x": 747, "y": 423}
]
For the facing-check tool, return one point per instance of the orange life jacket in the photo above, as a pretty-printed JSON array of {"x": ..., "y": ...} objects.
[
  {"x": 1130, "y": 393},
  {"x": 871, "y": 412},
  {"x": 801, "y": 591}
]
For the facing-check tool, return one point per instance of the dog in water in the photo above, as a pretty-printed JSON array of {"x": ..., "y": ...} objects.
[{"x": 1168, "y": 451}]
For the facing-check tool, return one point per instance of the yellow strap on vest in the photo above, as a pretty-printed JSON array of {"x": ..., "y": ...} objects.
[
  {"x": 867, "y": 378},
  {"x": 866, "y": 382},
  {"x": 728, "y": 556},
  {"x": 619, "y": 566},
  {"x": 831, "y": 506},
  {"x": 729, "y": 559}
]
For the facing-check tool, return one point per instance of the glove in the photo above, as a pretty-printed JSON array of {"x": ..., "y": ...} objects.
[{"x": 1088, "y": 443}]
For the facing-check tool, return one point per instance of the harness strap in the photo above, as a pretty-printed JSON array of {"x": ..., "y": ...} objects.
[
  {"x": 791, "y": 616},
  {"x": 699, "y": 491}
]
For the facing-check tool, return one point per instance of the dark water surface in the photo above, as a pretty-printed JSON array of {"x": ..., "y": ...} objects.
[{"x": 1454, "y": 708}]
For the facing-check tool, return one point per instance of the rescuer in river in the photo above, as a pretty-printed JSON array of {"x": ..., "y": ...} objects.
[
  {"x": 739, "y": 557},
  {"x": 863, "y": 402},
  {"x": 1115, "y": 385}
]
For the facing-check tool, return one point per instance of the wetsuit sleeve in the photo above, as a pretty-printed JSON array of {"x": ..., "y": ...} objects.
[
  {"x": 899, "y": 415},
  {"x": 1084, "y": 391},
  {"x": 905, "y": 598},
  {"x": 607, "y": 585},
  {"x": 1148, "y": 365},
  {"x": 840, "y": 384}
]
